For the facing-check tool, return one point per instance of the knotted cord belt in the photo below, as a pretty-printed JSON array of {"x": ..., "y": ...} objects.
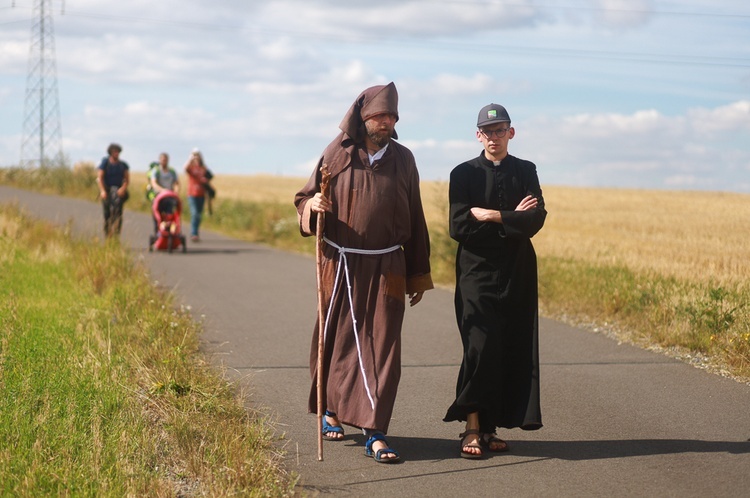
[{"x": 343, "y": 262}]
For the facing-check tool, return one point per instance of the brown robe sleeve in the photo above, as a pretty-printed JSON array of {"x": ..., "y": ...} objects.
[
  {"x": 306, "y": 218},
  {"x": 417, "y": 248}
]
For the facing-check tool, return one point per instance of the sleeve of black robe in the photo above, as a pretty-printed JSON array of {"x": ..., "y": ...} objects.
[{"x": 472, "y": 185}]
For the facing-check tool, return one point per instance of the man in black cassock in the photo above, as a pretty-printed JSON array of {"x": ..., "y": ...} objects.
[{"x": 496, "y": 207}]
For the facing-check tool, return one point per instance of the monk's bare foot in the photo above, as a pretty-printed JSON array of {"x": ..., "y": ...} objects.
[
  {"x": 380, "y": 445},
  {"x": 333, "y": 436}
]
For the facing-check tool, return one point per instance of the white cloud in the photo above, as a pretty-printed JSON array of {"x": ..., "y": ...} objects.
[
  {"x": 352, "y": 75},
  {"x": 14, "y": 55},
  {"x": 645, "y": 148},
  {"x": 624, "y": 13},
  {"x": 262, "y": 90},
  {"x": 731, "y": 117},
  {"x": 452, "y": 84},
  {"x": 348, "y": 21}
]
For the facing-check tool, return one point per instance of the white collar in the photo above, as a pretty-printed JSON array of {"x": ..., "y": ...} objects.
[{"x": 377, "y": 155}]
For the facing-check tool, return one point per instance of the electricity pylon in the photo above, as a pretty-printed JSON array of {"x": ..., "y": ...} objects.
[{"x": 41, "y": 143}]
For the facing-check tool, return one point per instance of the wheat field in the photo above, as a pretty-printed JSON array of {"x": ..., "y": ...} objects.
[
  {"x": 690, "y": 235},
  {"x": 695, "y": 236}
]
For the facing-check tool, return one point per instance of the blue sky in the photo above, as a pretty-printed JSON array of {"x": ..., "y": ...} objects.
[{"x": 617, "y": 93}]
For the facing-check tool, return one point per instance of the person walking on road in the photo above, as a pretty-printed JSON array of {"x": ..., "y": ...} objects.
[
  {"x": 198, "y": 178},
  {"x": 496, "y": 207},
  {"x": 163, "y": 178},
  {"x": 113, "y": 177},
  {"x": 376, "y": 252}
]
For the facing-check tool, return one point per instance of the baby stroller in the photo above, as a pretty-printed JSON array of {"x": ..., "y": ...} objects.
[{"x": 167, "y": 210}]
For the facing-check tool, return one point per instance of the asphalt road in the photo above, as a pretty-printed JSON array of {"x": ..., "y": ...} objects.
[{"x": 618, "y": 420}]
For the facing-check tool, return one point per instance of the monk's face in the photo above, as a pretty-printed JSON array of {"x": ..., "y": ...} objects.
[{"x": 380, "y": 128}]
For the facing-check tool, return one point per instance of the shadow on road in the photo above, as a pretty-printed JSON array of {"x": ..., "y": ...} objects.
[
  {"x": 426, "y": 449},
  {"x": 526, "y": 452},
  {"x": 192, "y": 250}
]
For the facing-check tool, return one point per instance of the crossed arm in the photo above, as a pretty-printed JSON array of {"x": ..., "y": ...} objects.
[{"x": 494, "y": 216}]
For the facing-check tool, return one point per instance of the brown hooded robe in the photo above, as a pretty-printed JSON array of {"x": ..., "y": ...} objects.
[{"x": 374, "y": 207}]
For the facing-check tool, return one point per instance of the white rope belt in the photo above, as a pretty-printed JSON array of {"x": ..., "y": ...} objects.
[{"x": 342, "y": 262}]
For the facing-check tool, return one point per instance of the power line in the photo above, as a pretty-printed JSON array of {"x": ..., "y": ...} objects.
[
  {"x": 17, "y": 21},
  {"x": 583, "y": 8},
  {"x": 648, "y": 57},
  {"x": 361, "y": 37},
  {"x": 239, "y": 27}
]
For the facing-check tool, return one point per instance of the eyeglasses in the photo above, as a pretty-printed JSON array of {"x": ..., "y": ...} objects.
[{"x": 489, "y": 134}]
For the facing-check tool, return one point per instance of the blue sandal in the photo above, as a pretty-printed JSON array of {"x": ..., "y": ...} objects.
[
  {"x": 378, "y": 456},
  {"x": 331, "y": 428}
]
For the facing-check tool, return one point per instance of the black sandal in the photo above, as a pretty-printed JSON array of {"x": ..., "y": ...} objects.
[
  {"x": 477, "y": 444},
  {"x": 488, "y": 438}
]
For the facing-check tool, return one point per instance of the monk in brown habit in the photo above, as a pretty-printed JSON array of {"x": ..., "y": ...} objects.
[{"x": 376, "y": 252}]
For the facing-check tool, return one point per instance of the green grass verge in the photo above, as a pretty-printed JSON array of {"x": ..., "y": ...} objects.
[
  {"x": 649, "y": 309},
  {"x": 103, "y": 391}
]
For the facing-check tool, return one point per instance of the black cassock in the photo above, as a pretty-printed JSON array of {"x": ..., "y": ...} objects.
[{"x": 496, "y": 298}]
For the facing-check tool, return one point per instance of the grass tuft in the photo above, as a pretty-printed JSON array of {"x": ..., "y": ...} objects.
[{"x": 647, "y": 309}]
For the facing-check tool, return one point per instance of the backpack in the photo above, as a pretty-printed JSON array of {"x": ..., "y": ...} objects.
[{"x": 150, "y": 192}]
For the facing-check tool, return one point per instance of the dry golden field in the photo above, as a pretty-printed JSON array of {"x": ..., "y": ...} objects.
[{"x": 696, "y": 236}]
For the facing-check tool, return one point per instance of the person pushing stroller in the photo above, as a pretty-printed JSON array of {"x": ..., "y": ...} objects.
[{"x": 164, "y": 178}]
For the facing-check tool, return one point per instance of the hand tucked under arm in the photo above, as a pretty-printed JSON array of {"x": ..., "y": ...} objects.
[
  {"x": 494, "y": 216},
  {"x": 528, "y": 202}
]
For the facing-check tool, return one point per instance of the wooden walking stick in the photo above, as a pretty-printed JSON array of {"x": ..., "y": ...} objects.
[{"x": 324, "y": 177}]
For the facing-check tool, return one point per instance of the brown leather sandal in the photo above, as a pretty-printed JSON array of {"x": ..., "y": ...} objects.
[
  {"x": 488, "y": 439},
  {"x": 476, "y": 444}
]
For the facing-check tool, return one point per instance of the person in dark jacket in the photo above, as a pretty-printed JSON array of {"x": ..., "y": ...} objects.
[
  {"x": 113, "y": 177},
  {"x": 496, "y": 207}
]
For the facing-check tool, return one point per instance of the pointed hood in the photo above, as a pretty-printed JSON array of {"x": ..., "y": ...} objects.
[{"x": 372, "y": 101}]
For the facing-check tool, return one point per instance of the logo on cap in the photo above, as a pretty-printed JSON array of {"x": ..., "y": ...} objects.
[{"x": 492, "y": 113}]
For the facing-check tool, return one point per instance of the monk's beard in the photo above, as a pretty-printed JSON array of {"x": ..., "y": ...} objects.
[{"x": 379, "y": 136}]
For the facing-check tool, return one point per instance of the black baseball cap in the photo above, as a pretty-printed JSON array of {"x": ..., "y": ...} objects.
[{"x": 493, "y": 113}]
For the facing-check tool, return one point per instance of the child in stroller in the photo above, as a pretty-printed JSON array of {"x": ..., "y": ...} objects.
[{"x": 167, "y": 210}]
